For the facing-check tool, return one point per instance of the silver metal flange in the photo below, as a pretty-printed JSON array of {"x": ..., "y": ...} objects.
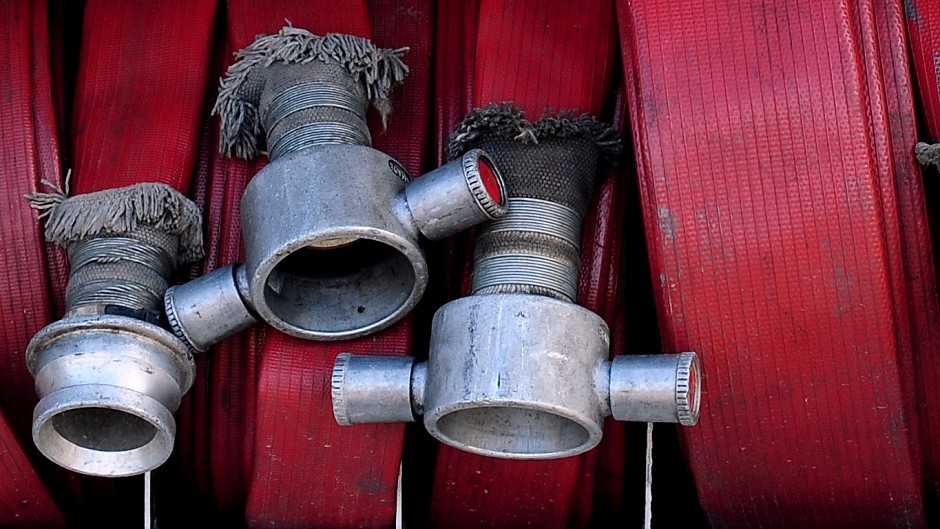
[
  {"x": 333, "y": 237},
  {"x": 326, "y": 255},
  {"x": 504, "y": 379},
  {"x": 108, "y": 387}
]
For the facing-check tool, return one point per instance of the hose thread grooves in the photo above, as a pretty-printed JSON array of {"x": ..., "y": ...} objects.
[
  {"x": 318, "y": 133},
  {"x": 540, "y": 216},
  {"x": 525, "y": 269},
  {"x": 331, "y": 130},
  {"x": 120, "y": 271},
  {"x": 511, "y": 270},
  {"x": 311, "y": 95}
]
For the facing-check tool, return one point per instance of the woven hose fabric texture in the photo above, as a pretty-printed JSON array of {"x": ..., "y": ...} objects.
[
  {"x": 923, "y": 29},
  {"x": 28, "y": 154},
  {"x": 785, "y": 225}
]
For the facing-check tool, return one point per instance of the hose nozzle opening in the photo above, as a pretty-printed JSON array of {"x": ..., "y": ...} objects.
[{"x": 108, "y": 387}]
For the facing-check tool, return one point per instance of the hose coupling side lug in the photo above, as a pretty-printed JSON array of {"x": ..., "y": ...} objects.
[
  {"x": 210, "y": 308},
  {"x": 372, "y": 389},
  {"x": 457, "y": 196},
  {"x": 656, "y": 388}
]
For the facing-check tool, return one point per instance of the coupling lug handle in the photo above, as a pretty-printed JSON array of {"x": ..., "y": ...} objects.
[
  {"x": 656, "y": 388},
  {"x": 456, "y": 196},
  {"x": 210, "y": 308},
  {"x": 377, "y": 389}
]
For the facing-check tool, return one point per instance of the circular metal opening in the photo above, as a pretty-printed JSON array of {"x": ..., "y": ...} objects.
[
  {"x": 341, "y": 287},
  {"x": 129, "y": 435},
  {"x": 521, "y": 433},
  {"x": 490, "y": 181},
  {"x": 103, "y": 429},
  {"x": 695, "y": 389}
]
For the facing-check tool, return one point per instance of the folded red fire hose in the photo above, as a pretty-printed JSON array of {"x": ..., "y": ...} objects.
[
  {"x": 923, "y": 28},
  {"x": 785, "y": 218},
  {"x": 262, "y": 439},
  {"x": 28, "y": 154},
  {"x": 785, "y": 226}
]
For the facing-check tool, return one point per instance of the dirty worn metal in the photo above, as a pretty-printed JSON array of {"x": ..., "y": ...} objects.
[
  {"x": 507, "y": 377},
  {"x": 107, "y": 375},
  {"x": 209, "y": 308},
  {"x": 108, "y": 386},
  {"x": 372, "y": 389},
  {"x": 331, "y": 261},
  {"x": 350, "y": 266},
  {"x": 480, "y": 391},
  {"x": 655, "y": 388},
  {"x": 517, "y": 370},
  {"x": 332, "y": 227},
  {"x": 455, "y": 196}
]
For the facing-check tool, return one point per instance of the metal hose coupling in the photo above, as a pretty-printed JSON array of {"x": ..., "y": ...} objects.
[
  {"x": 332, "y": 227},
  {"x": 517, "y": 370},
  {"x": 108, "y": 377}
]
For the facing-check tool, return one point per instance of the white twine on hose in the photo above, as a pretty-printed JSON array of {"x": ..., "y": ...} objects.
[
  {"x": 399, "y": 523},
  {"x": 648, "y": 506},
  {"x": 150, "y": 521}
]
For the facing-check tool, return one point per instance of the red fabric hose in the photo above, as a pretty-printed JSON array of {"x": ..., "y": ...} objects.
[
  {"x": 24, "y": 501},
  {"x": 785, "y": 218},
  {"x": 140, "y": 92},
  {"x": 543, "y": 57},
  {"x": 139, "y": 99},
  {"x": 784, "y": 225},
  {"x": 28, "y": 153},
  {"x": 216, "y": 420},
  {"x": 923, "y": 27},
  {"x": 302, "y": 468}
]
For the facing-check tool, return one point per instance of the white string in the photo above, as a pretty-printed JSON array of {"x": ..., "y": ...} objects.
[
  {"x": 648, "y": 507},
  {"x": 148, "y": 513},
  {"x": 399, "y": 523}
]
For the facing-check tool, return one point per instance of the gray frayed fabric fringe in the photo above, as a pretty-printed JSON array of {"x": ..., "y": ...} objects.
[
  {"x": 509, "y": 122},
  {"x": 379, "y": 69},
  {"x": 928, "y": 154},
  {"x": 121, "y": 211}
]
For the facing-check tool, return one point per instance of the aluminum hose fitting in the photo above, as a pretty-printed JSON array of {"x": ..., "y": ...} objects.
[
  {"x": 517, "y": 370},
  {"x": 210, "y": 307},
  {"x": 108, "y": 377},
  {"x": 332, "y": 227}
]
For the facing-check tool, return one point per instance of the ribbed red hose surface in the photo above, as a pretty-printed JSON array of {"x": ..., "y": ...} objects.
[
  {"x": 923, "y": 29},
  {"x": 217, "y": 417},
  {"x": 771, "y": 144},
  {"x": 28, "y": 153},
  {"x": 541, "y": 56},
  {"x": 760, "y": 132},
  {"x": 923, "y": 26},
  {"x": 307, "y": 470},
  {"x": 455, "y": 38},
  {"x": 24, "y": 501},
  {"x": 140, "y": 92}
]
